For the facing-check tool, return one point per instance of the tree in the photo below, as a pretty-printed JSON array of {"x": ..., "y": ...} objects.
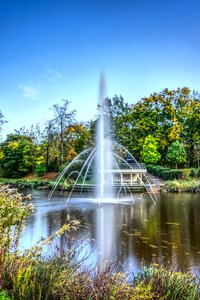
[
  {"x": 16, "y": 156},
  {"x": 155, "y": 115},
  {"x": 78, "y": 138},
  {"x": 63, "y": 118},
  {"x": 171, "y": 115},
  {"x": 197, "y": 153},
  {"x": 149, "y": 153},
  {"x": 176, "y": 153},
  {"x": 119, "y": 111},
  {"x": 48, "y": 139},
  {"x": 37, "y": 149},
  {"x": 191, "y": 125},
  {"x": 2, "y": 121}
]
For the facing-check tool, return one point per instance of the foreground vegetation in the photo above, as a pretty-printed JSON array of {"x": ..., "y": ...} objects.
[{"x": 30, "y": 275}]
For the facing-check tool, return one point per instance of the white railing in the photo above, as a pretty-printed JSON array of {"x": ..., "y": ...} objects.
[{"x": 134, "y": 166}]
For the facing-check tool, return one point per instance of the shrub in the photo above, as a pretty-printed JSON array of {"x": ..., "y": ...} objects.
[
  {"x": 157, "y": 170},
  {"x": 40, "y": 170},
  {"x": 166, "y": 173},
  {"x": 194, "y": 172},
  {"x": 4, "y": 296},
  {"x": 172, "y": 174}
]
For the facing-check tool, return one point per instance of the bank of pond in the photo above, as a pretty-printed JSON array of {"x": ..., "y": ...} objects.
[{"x": 173, "y": 186}]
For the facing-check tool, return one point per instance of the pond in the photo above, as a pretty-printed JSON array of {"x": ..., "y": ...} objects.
[{"x": 128, "y": 232}]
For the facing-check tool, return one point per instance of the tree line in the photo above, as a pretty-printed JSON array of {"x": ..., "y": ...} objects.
[{"x": 163, "y": 128}]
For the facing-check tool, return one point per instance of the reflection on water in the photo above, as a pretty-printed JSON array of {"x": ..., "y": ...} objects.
[{"x": 126, "y": 232}]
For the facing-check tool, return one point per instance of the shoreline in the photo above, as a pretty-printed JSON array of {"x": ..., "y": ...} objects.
[{"x": 175, "y": 186}]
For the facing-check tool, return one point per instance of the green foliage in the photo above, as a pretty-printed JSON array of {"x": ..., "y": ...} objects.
[
  {"x": 4, "y": 296},
  {"x": 16, "y": 156},
  {"x": 157, "y": 170},
  {"x": 40, "y": 170},
  {"x": 63, "y": 118},
  {"x": 78, "y": 137},
  {"x": 149, "y": 151},
  {"x": 172, "y": 285},
  {"x": 2, "y": 121},
  {"x": 30, "y": 183},
  {"x": 166, "y": 173},
  {"x": 182, "y": 186},
  {"x": 172, "y": 174},
  {"x": 195, "y": 172},
  {"x": 176, "y": 153},
  {"x": 170, "y": 116},
  {"x": 197, "y": 151}
]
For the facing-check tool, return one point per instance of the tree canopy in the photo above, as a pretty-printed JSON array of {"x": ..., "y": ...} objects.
[
  {"x": 149, "y": 152},
  {"x": 176, "y": 153},
  {"x": 164, "y": 128}
]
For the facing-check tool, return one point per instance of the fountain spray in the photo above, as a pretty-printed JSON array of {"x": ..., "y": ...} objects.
[{"x": 104, "y": 156}]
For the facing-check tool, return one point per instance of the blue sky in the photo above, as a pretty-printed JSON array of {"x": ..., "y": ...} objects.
[{"x": 56, "y": 49}]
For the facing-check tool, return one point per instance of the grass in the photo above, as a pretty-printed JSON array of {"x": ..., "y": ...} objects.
[{"x": 170, "y": 284}]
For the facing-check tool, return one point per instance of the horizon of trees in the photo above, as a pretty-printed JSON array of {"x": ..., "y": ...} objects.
[{"x": 163, "y": 128}]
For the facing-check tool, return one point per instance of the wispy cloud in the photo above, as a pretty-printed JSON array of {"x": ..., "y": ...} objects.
[
  {"x": 30, "y": 90},
  {"x": 53, "y": 75}
]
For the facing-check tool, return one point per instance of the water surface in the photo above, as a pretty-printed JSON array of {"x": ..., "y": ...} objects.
[{"x": 130, "y": 231}]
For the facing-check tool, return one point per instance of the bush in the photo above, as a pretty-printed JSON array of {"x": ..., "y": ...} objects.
[
  {"x": 4, "y": 296},
  {"x": 40, "y": 170},
  {"x": 172, "y": 174},
  {"x": 167, "y": 173},
  {"x": 195, "y": 172},
  {"x": 157, "y": 170},
  {"x": 53, "y": 167}
]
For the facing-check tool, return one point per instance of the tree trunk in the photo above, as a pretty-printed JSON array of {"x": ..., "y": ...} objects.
[
  {"x": 47, "y": 157},
  {"x": 62, "y": 143}
]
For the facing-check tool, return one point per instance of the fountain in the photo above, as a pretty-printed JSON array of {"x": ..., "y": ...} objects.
[
  {"x": 104, "y": 154},
  {"x": 103, "y": 162}
]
